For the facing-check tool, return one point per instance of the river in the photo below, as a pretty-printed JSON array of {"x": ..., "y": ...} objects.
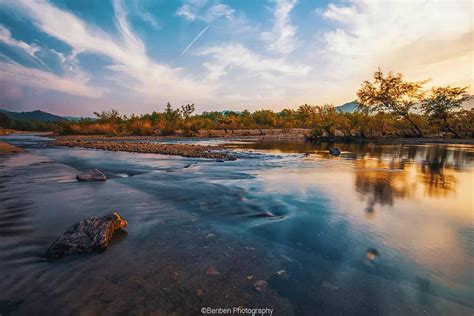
[{"x": 381, "y": 229}]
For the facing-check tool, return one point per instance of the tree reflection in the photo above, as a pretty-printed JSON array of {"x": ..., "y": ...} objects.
[
  {"x": 381, "y": 181},
  {"x": 437, "y": 173}
]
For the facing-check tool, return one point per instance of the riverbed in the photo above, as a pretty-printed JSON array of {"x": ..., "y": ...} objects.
[{"x": 381, "y": 229}]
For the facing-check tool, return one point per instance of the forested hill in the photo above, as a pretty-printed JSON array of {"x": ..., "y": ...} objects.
[{"x": 36, "y": 115}]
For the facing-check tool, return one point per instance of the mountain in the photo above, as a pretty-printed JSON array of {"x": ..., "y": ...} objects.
[
  {"x": 36, "y": 115},
  {"x": 347, "y": 107},
  {"x": 77, "y": 118}
]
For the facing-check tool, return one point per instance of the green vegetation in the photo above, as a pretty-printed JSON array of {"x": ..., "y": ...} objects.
[{"x": 388, "y": 106}]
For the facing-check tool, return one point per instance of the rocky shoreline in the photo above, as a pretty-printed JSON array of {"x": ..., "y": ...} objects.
[{"x": 184, "y": 150}]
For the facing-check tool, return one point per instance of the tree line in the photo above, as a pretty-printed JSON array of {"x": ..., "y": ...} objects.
[{"x": 387, "y": 106}]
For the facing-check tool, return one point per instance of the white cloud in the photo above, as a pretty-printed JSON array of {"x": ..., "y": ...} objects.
[
  {"x": 138, "y": 72},
  {"x": 422, "y": 39},
  {"x": 186, "y": 12},
  {"x": 33, "y": 77},
  {"x": 146, "y": 16},
  {"x": 282, "y": 37},
  {"x": 6, "y": 37},
  {"x": 199, "y": 10},
  {"x": 13, "y": 72},
  {"x": 230, "y": 56}
]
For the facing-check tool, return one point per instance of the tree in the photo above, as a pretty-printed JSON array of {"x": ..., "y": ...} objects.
[
  {"x": 392, "y": 94},
  {"x": 171, "y": 118},
  {"x": 442, "y": 104},
  {"x": 187, "y": 110},
  {"x": 111, "y": 116},
  {"x": 4, "y": 120}
]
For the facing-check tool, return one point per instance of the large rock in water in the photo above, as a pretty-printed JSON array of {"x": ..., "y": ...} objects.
[
  {"x": 91, "y": 175},
  {"x": 92, "y": 234}
]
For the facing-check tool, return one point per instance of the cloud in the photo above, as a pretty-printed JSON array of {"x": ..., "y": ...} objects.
[
  {"x": 146, "y": 16},
  {"x": 422, "y": 39},
  {"x": 282, "y": 37},
  {"x": 243, "y": 76},
  {"x": 6, "y": 37},
  {"x": 230, "y": 56},
  {"x": 13, "y": 72},
  {"x": 74, "y": 82},
  {"x": 198, "y": 10},
  {"x": 137, "y": 72},
  {"x": 186, "y": 12}
]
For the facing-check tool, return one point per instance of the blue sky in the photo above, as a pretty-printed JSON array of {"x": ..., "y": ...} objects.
[{"x": 75, "y": 57}]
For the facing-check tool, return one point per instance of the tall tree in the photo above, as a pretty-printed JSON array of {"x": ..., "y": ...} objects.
[
  {"x": 391, "y": 94},
  {"x": 442, "y": 104}
]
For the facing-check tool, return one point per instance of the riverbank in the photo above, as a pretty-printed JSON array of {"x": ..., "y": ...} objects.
[
  {"x": 394, "y": 140},
  {"x": 9, "y": 149},
  {"x": 185, "y": 150}
]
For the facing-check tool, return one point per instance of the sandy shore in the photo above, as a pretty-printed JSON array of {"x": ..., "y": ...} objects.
[
  {"x": 9, "y": 149},
  {"x": 185, "y": 150}
]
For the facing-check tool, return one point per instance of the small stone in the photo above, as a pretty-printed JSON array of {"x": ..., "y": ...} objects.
[
  {"x": 260, "y": 285},
  {"x": 372, "y": 254},
  {"x": 210, "y": 235},
  {"x": 334, "y": 151},
  {"x": 281, "y": 272},
  {"x": 329, "y": 286},
  {"x": 199, "y": 292},
  {"x": 249, "y": 277},
  {"x": 211, "y": 270}
]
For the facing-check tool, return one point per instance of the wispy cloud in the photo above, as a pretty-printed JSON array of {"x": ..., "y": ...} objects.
[
  {"x": 421, "y": 39},
  {"x": 146, "y": 16},
  {"x": 232, "y": 56},
  {"x": 13, "y": 72},
  {"x": 44, "y": 78},
  {"x": 201, "y": 11},
  {"x": 6, "y": 37},
  {"x": 282, "y": 37},
  {"x": 138, "y": 72},
  {"x": 193, "y": 41}
]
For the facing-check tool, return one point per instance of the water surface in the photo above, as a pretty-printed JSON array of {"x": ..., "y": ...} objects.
[{"x": 382, "y": 229}]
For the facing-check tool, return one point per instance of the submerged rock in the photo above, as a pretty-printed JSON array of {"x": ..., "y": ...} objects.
[
  {"x": 92, "y": 234},
  {"x": 260, "y": 285},
  {"x": 91, "y": 175},
  {"x": 211, "y": 270},
  {"x": 334, "y": 151}
]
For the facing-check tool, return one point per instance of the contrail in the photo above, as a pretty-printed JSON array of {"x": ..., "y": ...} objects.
[{"x": 194, "y": 40}]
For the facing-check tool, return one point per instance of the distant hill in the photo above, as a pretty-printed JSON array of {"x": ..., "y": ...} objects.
[
  {"x": 36, "y": 115},
  {"x": 347, "y": 107},
  {"x": 77, "y": 118}
]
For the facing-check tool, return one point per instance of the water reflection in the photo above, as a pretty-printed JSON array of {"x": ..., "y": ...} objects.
[
  {"x": 381, "y": 229},
  {"x": 438, "y": 173},
  {"x": 380, "y": 183}
]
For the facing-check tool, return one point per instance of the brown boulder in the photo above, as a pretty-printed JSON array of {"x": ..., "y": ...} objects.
[{"x": 89, "y": 235}]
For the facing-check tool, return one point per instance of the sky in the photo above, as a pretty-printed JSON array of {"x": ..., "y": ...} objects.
[{"x": 74, "y": 57}]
